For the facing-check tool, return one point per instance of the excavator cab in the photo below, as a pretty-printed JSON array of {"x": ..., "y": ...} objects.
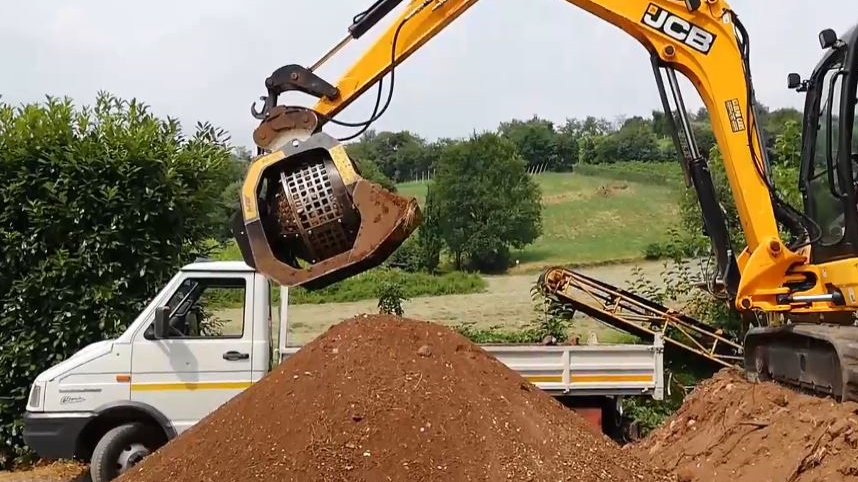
[{"x": 830, "y": 148}]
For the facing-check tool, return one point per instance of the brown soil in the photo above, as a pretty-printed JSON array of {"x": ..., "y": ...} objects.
[
  {"x": 732, "y": 430},
  {"x": 383, "y": 399}
]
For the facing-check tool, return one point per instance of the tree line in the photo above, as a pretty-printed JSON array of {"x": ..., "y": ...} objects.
[{"x": 404, "y": 156}]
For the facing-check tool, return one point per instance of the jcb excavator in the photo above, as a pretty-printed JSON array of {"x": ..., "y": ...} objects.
[{"x": 308, "y": 217}]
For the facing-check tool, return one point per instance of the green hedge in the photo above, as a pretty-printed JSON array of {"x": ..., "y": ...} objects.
[
  {"x": 643, "y": 172},
  {"x": 365, "y": 286},
  {"x": 98, "y": 208}
]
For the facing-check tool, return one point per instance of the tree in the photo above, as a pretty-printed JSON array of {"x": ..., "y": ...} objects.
[
  {"x": 568, "y": 145},
  {"x": 596, "y": 126},
  {"x": 587, "y": 148},
  {"x": 535, "y": 140},
  {"x": 485, "y": 202},
  {"x": 784, "y": 126},
  {"x": 231, "y": 196},
  {"x": 422, "y": 250},
  {"x": 369, "y": 170},
  {"x": 399, "y": 155},
  {"x": 661, "y": 124},
  {"x": 704, "y": 136},
  {"x": 635, "y": 141},
  {"x": 98, "y": 208}
]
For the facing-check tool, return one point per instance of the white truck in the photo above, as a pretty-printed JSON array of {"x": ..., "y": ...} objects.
[{"x": 115, "y": 401}]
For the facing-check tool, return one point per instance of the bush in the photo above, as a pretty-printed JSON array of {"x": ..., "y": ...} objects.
[
  {"x": 390, "y": 298},
  {"x": 420, "y": 252},
  {"x": 636, "y": 171},
  {"x": 98, "y": 208},
  {"x": 679, "y": 245},
  {"x": 496, "y": 335},
  {"x": 370, "y": 171}
]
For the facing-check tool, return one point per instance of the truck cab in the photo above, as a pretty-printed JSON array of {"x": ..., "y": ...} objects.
[
  {"x": 149, "y": 389},
  {"x": 207, "y": 335}
]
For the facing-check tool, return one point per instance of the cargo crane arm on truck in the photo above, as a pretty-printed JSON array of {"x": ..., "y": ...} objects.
[{"x": 308, "y": 218}]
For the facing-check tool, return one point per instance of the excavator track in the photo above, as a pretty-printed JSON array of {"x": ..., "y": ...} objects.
[
  {"x": 639, "y": 316},
  {"x": 821, "y": 359}
]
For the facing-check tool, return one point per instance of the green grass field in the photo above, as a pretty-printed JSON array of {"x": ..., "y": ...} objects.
[{"x": 602, "y": 218}]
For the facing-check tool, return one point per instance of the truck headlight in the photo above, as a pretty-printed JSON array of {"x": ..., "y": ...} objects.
[{"x": 36, "y": 396}]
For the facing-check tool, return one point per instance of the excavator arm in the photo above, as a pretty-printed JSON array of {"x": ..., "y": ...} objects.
[
  {"x": 699, "y": 39},
  {"x": 308, "y": 218}
]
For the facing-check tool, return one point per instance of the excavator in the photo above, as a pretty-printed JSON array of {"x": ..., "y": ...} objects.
[{"x": 309, "y": 219}]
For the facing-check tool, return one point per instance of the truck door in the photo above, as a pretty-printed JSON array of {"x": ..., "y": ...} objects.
[{"x": 207, "y": 358}]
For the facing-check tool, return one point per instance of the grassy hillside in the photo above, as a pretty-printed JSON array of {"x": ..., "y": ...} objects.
[{"x": 609, "y": 216}]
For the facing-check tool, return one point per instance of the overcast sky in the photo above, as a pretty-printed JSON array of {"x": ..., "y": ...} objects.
[{"x": 207, "y": 60}]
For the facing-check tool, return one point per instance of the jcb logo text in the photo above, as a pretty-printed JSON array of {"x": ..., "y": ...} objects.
[{"x": 678, "y": 28}]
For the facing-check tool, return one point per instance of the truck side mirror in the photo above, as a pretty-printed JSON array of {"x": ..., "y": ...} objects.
[{"x": 162, "y": 316}]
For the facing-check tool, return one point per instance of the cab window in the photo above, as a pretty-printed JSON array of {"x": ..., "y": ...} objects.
[
  {"x": 206, "y": 308},
  {"x": 827, "y": 207}
]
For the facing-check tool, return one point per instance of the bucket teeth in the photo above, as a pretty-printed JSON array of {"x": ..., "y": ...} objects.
[{"x": 309, "y": 219}]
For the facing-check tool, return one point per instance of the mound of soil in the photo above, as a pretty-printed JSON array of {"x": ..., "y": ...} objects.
[
  {"x": 731, "y": 429},
  {"x": 61, "y": 471},
  {"x": 384, "y": 399}
]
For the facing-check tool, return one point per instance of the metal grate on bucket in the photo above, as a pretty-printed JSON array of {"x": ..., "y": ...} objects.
[{"x": 315, "y": 214}]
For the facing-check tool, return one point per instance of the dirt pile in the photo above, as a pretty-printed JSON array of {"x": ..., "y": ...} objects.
[
  {"x": 732, "y": 430},
  {"x": 383, "y": 399},
  {"x": 62, "y": 471}
]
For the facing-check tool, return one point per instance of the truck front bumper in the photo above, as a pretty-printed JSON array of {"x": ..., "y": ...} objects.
[{"x": 54, "y": 435}]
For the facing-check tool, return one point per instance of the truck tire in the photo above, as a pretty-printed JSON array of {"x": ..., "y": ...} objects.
[{"x": 120, "y": 449}]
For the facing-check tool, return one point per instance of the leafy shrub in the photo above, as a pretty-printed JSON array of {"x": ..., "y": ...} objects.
[
  {"x": 495, "y": 334},
  {"x": 390, "y": 298},
  {"x": 649, "y": 414},
  {"x": 420, "y": 252},
  {"x": 98, "y": 208},
  {"x": 679, "y": 245}
]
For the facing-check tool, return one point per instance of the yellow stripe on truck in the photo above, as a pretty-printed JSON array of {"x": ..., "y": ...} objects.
[
  {"x": 591, "y": 378},
  {"x": 179, "y": 386},
  {"x": 610, "y": 378}
]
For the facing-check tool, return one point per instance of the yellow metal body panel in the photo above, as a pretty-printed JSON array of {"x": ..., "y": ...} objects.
[
  {"x": 249, "y": 208},
  {"x": 344, "y": 165}
]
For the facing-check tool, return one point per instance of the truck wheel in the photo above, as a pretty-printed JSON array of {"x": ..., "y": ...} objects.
[{"x": 120, "y": 449}]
